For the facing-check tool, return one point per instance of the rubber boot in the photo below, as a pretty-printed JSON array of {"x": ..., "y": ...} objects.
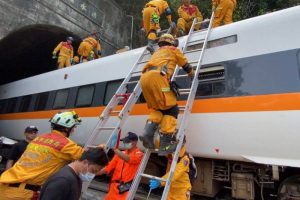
[
  {"x": 167, "y": 144},
  {"x": 148, "y": 135},
  {"x": 150, "y": 46}
]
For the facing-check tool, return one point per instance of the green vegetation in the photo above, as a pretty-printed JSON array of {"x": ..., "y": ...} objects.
[{"x": 245, "y": 9}]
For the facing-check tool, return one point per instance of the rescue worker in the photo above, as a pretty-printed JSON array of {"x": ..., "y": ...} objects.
[
  {"x": 19, "y": 148},
  {"x": 180, "y": 187},
  {"x": 223, "y": 11},
  {"x": 65, "y": 53},
  {"x": 151, "y": 15},
  {"x": 66, "y": 184},
  {"x": 124, "y": 166},
  {"x": 160, "y": 98},
  {"x": 187, "y": 12},
  {"x": 89, "y": 49},
  {"x": 44, "y": 156}
]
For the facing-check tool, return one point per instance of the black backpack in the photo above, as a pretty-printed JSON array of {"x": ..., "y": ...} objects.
[{"x": 193, "y": 168}]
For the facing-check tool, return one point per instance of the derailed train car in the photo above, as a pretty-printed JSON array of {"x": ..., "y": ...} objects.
[{"x": 244, "y": 129}]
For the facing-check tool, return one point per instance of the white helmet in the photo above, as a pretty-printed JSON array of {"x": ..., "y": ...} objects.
[{"x": 66, "y": 119}]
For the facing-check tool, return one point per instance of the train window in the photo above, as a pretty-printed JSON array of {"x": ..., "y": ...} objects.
[
  {"x": 211, "y": 81},
  {"x": 61, "y": 98},
  {"x": 222, "y": 41},
  {"x": 11, "y": 105},
  {"x": 2, "y": 106},
  {"x": 111, "y": 89},
  {"x": 25, "y": 101},
  {"x": 41, "y": 101},
  {"x": 85, "y": 95}
]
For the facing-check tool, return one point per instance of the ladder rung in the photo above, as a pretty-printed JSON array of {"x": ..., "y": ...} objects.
[
  {"x": 136, "y": 72},
  {"x": 153, "y": 177},
  {"x": 194, "y": 41},
  {"x": 131, "y": 82},
  {"x": 204, "y": 21},
  {"x": 107, "y": 128},
  {"x": 194, "y": 50},
  {"x": 181, "y": 108},
  {"x": 185, "y": 90},
  {"x": 142, "y": 62},
  {"x": 180, "y": 76},
  {"x": 116, "y": 111}
]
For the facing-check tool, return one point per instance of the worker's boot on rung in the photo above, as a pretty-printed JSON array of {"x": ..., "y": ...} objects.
[
  {"x": 150, "y": 46},
  {"x": 148, "y": 135},
  {"x": 168, "y": 144}
]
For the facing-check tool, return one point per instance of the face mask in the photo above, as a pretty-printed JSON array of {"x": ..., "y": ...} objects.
[
  {"x": 127, "y": 145},
  {"x": 87, "y": 177}
]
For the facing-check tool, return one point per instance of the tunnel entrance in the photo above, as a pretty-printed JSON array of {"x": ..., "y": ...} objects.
[{"x": 28, "y": 51}]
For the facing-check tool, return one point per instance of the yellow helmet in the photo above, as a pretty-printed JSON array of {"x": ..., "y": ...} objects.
[{"x": 167, "y": 38}]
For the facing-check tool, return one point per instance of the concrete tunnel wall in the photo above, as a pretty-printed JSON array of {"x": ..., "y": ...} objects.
[{"x": 30, "y": 30}]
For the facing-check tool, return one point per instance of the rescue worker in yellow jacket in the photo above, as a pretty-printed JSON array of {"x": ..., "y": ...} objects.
[
  {"x": 223, "y": 11},
  {"x": 161, "y": 100},
  {"x": 66, "y": 52},
  {"x": 89, "y": 49},
  {"x": 44, "y": 156},
  {"x": 151, "y": 15},
  {"x": 180, "y": 187},
  {"x": 187, "y": 12}
]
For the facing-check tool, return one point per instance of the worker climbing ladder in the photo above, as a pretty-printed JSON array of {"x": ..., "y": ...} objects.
[{"x": 186, "y": 109}]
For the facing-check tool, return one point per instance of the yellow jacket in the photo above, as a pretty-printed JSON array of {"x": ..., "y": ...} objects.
[
  {"x": 181, "y": 174},
  {"x": 161, "y": 6},
  {"x": 189, "y": 13},
  {"x": 88, "y": 45},
  {"x": 64, "y": 49},
  {"x": 216, "y": 2},
  {"x": 44, "y": 156},
  {"x": 166, "y": 55}
]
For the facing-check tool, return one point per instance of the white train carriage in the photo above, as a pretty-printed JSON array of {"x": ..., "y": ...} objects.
[{"x": 244, "y": 123}]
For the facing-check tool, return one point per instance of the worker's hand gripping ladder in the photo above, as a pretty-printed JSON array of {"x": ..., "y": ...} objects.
[
  {"x": 121, "y": 96},
  {"x": 191, "y": 92}
]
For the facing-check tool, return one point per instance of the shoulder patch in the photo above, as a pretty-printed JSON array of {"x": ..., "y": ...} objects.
[{"x": 185, "y": 162}]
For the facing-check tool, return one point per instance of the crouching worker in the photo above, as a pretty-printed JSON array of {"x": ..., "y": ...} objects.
[
  {"x": 66, "y": 183},
  {"x": 160, "y": 98},
  {"x": 124, "y": 166},
  {"x": 44, "y": 156},
  {"x": 180, "y": 187}
]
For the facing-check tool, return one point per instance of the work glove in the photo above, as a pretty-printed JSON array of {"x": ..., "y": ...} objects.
[
  {"x": 191, "y": 74},
  {"x": 153, "y": 184},
  {"x": 173, "y": 25},
  {"x": 54, "y": 55}
]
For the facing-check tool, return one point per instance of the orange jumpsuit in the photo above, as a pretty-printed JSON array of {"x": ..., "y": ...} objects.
[
  {"x": 186, "y": 16},
  {"x": 44, "y": 156},
  {"x": 86, "y": 47},
  {"x": 152, "y": 8},
  {"x": 156, "y": 88},
  {"x": 180, "y": 186},
  {"x": 223, "y": 12},
  {"x": 122, "y": 171},
  {"x": 65, "y": 54}
]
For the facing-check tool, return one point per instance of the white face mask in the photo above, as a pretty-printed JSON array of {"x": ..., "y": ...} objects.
[
  {"x": 87, "y": 177},
  {"x": 128, "y": 145}
]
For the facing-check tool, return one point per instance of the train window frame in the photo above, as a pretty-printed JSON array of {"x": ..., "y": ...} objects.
[
  {"x": 214, "y": 43},
  {"x": 91, "y": 97},
  {"x": 21, "y": 107},
  {"x": 37, "y": 106},
  {"x": 119, "y": 82},
  {"x": 66, "y": 96},
  {"x": 3, "y": 103},
  {"x": 214, "y": 75},
  {"x": 12, "y": 102}
]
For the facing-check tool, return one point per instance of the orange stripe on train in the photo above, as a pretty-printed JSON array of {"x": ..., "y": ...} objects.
[{"x": 271, "y": 102}]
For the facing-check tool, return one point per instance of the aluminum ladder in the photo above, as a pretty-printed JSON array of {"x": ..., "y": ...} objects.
[{"x": 191, "y": 92}]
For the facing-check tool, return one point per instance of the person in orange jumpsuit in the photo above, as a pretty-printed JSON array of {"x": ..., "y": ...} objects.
[
  {"x": 44, "y": 156},
  {"x": 180, "y": 187},
  {"x": 160, "y": 98},
  {"x": 89, "y": 49},
  {"x": 151, "y": 15},
  {"x": 223, "y": 11},
  {"x": 124, "y": 166},
  {"x": 65, "y": 53},
  {"x": 187, "y": 12}
]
